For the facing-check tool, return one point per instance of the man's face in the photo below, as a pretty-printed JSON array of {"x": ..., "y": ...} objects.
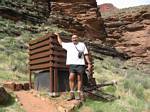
[{"x": 75, "y": 39}]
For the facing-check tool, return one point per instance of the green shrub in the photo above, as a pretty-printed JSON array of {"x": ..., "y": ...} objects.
[
  {"x": 146, "y": 82},
  {"x": 139, "y": 91},
  {"x": 135, "y": 86},
  {"x": 110, "y": 89}
]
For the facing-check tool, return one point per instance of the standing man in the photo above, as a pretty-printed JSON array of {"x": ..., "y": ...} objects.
[{"x": 76, "y": 51}]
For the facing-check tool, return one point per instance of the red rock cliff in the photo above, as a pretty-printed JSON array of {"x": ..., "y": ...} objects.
[
  {"x": 129, "y": 32},
  {"x": 106, "y": 7},
  {"x": 77, "y": 16}
]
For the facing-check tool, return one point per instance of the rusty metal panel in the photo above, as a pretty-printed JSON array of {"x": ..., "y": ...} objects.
[
  {"x": 58, "y": 53},
  {"x": 58, "y": 65},
  {"x": 40, "y": 60},
  {"x": 39, "y": 40},
  {"x": 39, "y": 66},
  {"x": 48, "y": 59},
  {"x": 59, "y": 59},
  {"x": 39, "y": 55},
  {"x": 38, "y": 45},
  {"x": 47, "y": 53},
  {"x": 41, "y": 49},
  {"x": 38, "y": 69},
  {"x": 46, "y": 65}
]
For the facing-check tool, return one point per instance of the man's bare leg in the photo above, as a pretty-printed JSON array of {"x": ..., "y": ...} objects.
[
  {"x": 79, "y": 82},
  {"x": 71, "y": 84},
  {"x": 80, "y": 89},
  {"x": 71, "y": 81}
]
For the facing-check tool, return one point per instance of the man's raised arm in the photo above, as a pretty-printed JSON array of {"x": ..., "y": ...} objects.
[{"x": 58, "y": 38}]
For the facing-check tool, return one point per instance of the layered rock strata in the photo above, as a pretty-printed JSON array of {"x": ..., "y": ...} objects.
[
  {"x": 129, "y": 31},
  {"x": 78, "y": 16}
]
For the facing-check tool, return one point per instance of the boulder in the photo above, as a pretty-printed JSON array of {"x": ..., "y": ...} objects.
[
  {"x": 146, "y": 16},
  {"x": 4, "y": 96},
  {"x": 134, "y": 27}
]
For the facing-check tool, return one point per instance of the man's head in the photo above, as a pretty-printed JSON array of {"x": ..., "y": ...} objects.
[{"x": 75, "y": 39}]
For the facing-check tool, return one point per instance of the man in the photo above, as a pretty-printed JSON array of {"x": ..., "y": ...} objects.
[{"x": 76, "y": 51}]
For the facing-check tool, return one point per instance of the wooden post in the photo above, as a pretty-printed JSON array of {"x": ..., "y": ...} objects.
[
  {"x": 55, "y": 81},
  {"x": 30, "y": 79},
  {"x": 29, "y": 70},
  {"x": 51, "y": 70},
  {"x": 51, "y": 80}
]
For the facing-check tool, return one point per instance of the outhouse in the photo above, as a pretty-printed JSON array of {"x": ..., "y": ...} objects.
[{"x": 47, "y": 64}]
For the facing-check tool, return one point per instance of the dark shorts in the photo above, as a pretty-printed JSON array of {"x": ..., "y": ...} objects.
[{"x": 77, "y": 69}]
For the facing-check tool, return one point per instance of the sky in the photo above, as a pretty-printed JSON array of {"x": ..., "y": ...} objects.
[{"x": 124, "y": 3}]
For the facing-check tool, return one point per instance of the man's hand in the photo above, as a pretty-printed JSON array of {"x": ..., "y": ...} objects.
[
  {"x": 56, "y": 34},
  {"x": 89, "y": 68}
]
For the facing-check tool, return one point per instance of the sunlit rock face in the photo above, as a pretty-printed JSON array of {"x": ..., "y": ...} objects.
[{"x": 107, "y": 7}]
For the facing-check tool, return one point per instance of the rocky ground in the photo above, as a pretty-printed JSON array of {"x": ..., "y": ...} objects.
[{"x": 40, "y": 103}]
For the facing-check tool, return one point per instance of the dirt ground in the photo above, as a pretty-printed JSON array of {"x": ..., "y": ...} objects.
[{"x": 31, "y": 102}]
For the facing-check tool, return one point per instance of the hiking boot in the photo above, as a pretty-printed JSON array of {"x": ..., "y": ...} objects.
[
  {"x": 80, "y": 96},
  {"x": 72, "y": 96}
]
